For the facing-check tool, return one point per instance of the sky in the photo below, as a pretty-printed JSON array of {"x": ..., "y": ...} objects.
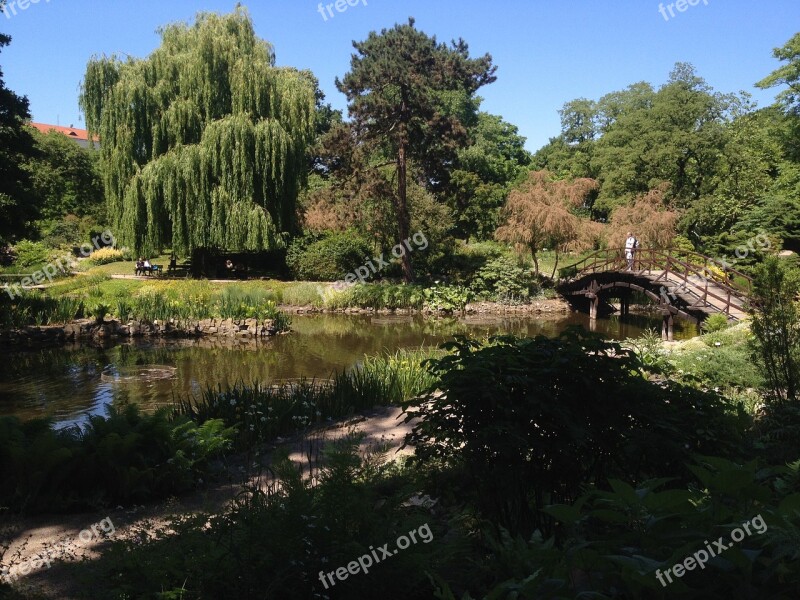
[{"x": 547, "y": 52}]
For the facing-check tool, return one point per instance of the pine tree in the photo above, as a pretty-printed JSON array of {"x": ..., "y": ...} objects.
[{"x": 402, "y": 88}]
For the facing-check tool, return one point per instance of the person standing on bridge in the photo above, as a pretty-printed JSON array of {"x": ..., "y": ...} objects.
[{"x": 631, "y": 246}]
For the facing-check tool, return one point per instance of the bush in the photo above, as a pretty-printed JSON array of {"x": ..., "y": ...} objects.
[
  {"x": 715, "y": 323},
  {"x": 330, "y": 258},
  {"x": 31, "y": 254},
  {"x": 105, "y": 256},
  {"x": 447, "y": 298},
  {"x": 124, "y": 457},
  {"x": 503, "y": 280},
  {"x": 533, "y": 421}
]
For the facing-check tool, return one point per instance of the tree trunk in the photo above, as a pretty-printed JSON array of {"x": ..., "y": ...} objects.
[
  {"x": 555, "y": 266},
  {"x": 403, "y": 218},
  {"x": 535, "y": 261}
]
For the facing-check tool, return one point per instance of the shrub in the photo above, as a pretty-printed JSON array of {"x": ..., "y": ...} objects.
[
  {"x": 330, "y": 258},
  {"x": 126, "y": 456},
  {"x": 447, "y": 298},
  {"x": 31, "y": 254},
  {"x": 714, "y": 323},
  {"x": 105, "y": 256},
  {"x": 503, "y": 280},
  {"x": 533, "y": 421}
]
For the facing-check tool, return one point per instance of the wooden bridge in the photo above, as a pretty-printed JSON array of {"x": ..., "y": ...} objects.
[{"x": 683, "y": 284}]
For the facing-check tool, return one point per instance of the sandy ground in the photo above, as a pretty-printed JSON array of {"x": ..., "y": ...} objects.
[{"x": 45, "y": 545}]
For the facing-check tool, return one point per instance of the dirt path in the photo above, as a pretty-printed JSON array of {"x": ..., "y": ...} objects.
[{"x": 41, "y": 548}]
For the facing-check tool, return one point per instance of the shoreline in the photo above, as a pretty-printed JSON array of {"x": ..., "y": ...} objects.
[{"x": 89, "y": 330}]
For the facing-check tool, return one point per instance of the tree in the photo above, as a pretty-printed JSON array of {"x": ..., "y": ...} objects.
[
  {"x": 66, "y": 178},
  {"x": 677, "y": 136},
  {"x": 539, "y": 214},
  {"x": 18, "y": 205},
  {"x": 484, "y": 173},
  {"x": 648, "y": 217},
  {"x": 789, "y": 99},
  {"x": 788, "y": 74},
  {"x": 407, "y": 96},
  {"x": 204, "y": 143},
  {"x": 776, "y": 327}
]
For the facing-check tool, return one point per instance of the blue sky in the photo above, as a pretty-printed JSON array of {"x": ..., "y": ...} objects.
[{"x": 548, "y": 52}]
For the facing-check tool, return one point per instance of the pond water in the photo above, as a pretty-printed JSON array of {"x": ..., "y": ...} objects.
[{"x": 69, "y": 383}]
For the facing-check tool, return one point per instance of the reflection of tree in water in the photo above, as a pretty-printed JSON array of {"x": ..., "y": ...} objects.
[{"x": 66, "y": 382}]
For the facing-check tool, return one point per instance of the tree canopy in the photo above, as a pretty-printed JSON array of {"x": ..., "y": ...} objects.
[
  {"x": 204, "y": 143},
  {"x": 409, "y": 99},
  {"x": 18, "y": 205}
]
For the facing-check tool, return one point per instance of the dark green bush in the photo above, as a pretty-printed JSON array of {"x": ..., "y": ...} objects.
[
  {"x": 329, "y": 258},
  {"x": 502, "y": 279},
  {"x": 619, "y": 541},
  {"x": 534, "y": 421},
  {"x": 125, "y": 457}
]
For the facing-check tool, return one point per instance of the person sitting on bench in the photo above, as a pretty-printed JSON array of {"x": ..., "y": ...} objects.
[
  {"x": 147, "y": 267},
  {"x": 140, "y": 266}
]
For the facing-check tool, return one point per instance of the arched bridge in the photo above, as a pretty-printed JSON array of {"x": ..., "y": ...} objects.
[{"x": 683, "y": 284}]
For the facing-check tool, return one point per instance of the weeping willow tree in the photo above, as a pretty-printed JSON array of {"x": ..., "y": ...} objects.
[{"x": 204, "y": 142}]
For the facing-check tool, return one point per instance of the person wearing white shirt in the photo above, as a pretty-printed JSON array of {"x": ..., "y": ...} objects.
[{"x": 631, "y": 245}]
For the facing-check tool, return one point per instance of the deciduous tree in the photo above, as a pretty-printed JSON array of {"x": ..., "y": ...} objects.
[
  {"x": 539, "y": 213},
  {"x": 204, "y": 143}
]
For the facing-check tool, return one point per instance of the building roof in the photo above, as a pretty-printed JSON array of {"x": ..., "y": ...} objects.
[{"x": 79, "y": 135}]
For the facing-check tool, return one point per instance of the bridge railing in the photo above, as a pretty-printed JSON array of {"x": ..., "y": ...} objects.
[{"x": 701, "y": 276}]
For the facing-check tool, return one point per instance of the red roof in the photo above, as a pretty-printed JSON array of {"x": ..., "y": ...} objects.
[{"x": 71, "y": 132}]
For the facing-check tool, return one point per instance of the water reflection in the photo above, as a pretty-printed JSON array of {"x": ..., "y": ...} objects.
[{"x": 68, "y": 383}]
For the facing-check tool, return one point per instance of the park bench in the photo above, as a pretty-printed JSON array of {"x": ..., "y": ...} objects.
[{"x": 151, "y": 270}]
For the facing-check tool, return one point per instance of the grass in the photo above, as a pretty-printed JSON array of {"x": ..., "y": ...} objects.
[{"x": 262, "y": 412}]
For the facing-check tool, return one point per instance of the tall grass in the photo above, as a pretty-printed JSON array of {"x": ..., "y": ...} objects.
[
  {"x": 35, "y": 308},
  {"x": 262, "y": 412}
]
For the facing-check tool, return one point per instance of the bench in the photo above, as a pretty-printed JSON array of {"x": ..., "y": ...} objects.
[{"x": 153, "y": 269}]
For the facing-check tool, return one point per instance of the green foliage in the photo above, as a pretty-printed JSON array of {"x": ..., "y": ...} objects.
[
  {"x": 649, "y": 350},
  {"x": 276, "y": 539},
  {"x": 447, "y": 298},
  {"x": 99, "y": 311},
  {"x": 502, "y": 279},
  {"x": 262, "y": 412},
  {"x": 777, "y": 432},
  {"x": 35, "y": 308},
  {"x": 533, "y": 421},
  {"x": 31, "y": 255},
  {"x": 207, "y": 120},
  {"x": 19, "y": 206},
  {"x": 417, "y": 122},
  {"x": 618, "y": 539},
  {"x": 714, "y": 323},
  {"x": 301, "y": 294},
  {"x": 66, "y": 178},
  {"x": 330, "y": 258},
  {"x": 375, "y": 296},
  {"x": 776, "y": 328},
  {"x": 726, "y": 366},
  {"x": 124, "y": 457},
  {"x": 788, "y": 74},
  {"x": 484, "y": 173}
]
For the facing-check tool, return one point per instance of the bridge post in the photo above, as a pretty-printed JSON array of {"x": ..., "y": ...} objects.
[
  {"x": 625, "y": 303},
  {"x": 594, "y": 302},
  {"x": 668, "y": 328}
]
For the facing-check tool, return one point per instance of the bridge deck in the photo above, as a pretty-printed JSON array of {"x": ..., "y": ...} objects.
[
  {"x": 692, "y": 290},
  {"x": 682, "y": 283}
]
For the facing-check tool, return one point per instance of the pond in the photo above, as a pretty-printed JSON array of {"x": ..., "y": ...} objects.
[{"x": 69, "y": 383}]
